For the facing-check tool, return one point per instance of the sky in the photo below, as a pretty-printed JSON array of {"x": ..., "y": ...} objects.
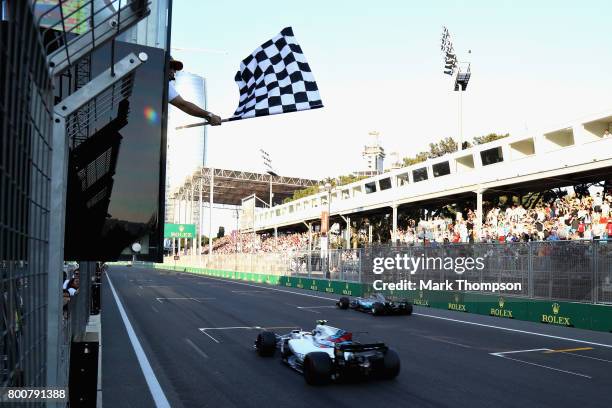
[{"x": 378, "y": 66}]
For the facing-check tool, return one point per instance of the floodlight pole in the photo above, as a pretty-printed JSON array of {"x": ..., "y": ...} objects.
[
  {"x": 199, "y": 245},
  {"x": 270, "y": 191},
  {"x": 180, "y": 204},
  {"x": 210, "y": 210},
  {"x": 460, "y": 121},
  {"x": 191, "y": 215}
]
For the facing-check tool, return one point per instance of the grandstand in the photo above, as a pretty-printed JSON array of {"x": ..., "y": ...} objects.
[{"x": 576, "y": 153}]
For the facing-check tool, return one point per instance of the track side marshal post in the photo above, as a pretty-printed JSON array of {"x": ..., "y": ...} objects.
[{"x": 274, "y": 79}]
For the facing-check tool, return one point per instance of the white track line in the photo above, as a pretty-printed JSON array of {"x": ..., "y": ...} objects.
[
  {"x": 311, "y": 311},
  {"x": 196, "y": 348},
  {"x": 433, "y": 338},
  {"x": 514, "y": 330},
  {"x": 215, "y": 340},
  {"x": 159, "y": 299},
  {"x": 429, "y": 316},
  {"x": 154, "y": 387},
  {"x": 246, "y": 292},
  {"x": 501, "y": 353},
  {"x": 263, "y": 287},
  {"x": 205, "y": 330},
  {"x": 315, "y": 307},
  {"x": 583, "y": 356},
  {"x": 543, "y": 366}
]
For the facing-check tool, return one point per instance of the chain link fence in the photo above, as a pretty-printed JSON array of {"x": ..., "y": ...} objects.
[
  {"x": 579, "y": 271},
  {"x": 25, "y": 158}
]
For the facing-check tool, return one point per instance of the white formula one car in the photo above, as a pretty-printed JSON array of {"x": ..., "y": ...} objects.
[{"x": 328, "y": 353}]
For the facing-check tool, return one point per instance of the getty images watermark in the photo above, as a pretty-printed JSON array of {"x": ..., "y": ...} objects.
[{"x": 413, "y": 265}]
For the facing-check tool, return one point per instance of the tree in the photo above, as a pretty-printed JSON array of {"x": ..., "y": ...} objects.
[
  {"x": 489, "y": 138},
  {"x": 221, "y": 232},
  {"x": 335, "y": 182},
  {"x": 420, "y": 157},
  {"x": 348, "y": 179},
  {"x": 444, "y": 146}
]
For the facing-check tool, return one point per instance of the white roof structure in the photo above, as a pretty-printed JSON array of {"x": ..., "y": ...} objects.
[{"x": 574, "y": 153}]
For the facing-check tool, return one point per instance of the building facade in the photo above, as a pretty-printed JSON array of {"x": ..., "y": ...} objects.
[{"x": 186, "y": 151}]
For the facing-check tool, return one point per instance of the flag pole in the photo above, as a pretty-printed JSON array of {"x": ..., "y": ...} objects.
[{"x": 201, "y": 124}]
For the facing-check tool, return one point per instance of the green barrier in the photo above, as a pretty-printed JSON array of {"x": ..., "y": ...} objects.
[{"x": 567, "y": 314}]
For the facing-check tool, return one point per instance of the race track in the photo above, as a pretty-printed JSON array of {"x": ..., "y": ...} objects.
[{"x": 197, "y": 333}]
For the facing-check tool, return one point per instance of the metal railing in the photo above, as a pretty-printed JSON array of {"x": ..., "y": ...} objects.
[{"x": 579, "y": 271}]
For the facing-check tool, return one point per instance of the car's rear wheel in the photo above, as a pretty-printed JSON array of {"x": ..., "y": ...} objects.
[
  {"x": 318, "y": 368},
  {"x": 343, "y": 302},
  {"x": 266, "y": 343},
  {"x": 378, "y": 309},
  {"x": 391, "y": 365},
  {"x": 408, "y": 309}
]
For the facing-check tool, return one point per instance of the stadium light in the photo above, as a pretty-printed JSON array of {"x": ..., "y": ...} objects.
[
  {"x": 462, "y": 77},
  {"x": 267, "y": 162}
]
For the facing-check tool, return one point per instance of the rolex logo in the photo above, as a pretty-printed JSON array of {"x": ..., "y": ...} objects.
[
  {"x": 181, "y": 228},
  {"x": 555, "y": 318},
  {"x": 421, "y": 294},
  {"x": 456, "y": 298},
  {"x": 501, "y": 302}
]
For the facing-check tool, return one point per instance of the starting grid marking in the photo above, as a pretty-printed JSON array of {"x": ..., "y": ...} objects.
[
  {"x": 159, "y": 299},
  {"x": 204, "y": 330},
  {"x": 568, "y": 351}
]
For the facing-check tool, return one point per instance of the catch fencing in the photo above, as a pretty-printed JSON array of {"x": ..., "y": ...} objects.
[
  {"x": 577, "y": 271},
  {"x": 26, "y": 107}
]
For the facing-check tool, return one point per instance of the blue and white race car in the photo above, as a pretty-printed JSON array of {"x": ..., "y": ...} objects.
[
  {"x": 328, "y": 353},
  {"x": 376, "y": 304}
]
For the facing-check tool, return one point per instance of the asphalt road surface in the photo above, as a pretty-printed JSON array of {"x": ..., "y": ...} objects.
[{"x": 197, "y": 335}]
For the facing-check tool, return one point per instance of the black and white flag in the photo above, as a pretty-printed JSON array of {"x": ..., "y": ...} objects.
[{"x": 275, "y": 79}]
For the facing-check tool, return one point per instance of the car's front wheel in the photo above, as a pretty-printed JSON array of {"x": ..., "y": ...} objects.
[
  {"x": 318, "y": 368},
  {"x": 378, "y": 309},
  {"x": 266, "y": 344},
  {"x": 343, "y": 302}
]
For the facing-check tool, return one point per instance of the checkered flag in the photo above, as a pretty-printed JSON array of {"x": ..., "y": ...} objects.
[{"x": 276, "y": 78}]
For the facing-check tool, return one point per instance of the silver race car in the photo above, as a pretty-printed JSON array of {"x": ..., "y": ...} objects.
[
  {"x": 376, "y": 304},
  {"x": 328, "y": 354}
]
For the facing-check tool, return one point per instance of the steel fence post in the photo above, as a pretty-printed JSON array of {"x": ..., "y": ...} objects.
[
  {"x": 359, "y": 266},
  {"x": 530, "y": 278},
  {"x": 340, "y": 265},
  {"x": 594, "y": 272}
]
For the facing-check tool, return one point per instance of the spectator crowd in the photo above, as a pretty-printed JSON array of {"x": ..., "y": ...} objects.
[
  {"x": 259, "y": 243},
  {"x": 568, "y": 218}
]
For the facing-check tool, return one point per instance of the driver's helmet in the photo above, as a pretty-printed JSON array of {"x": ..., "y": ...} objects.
[{"x": 326, "y": 336}]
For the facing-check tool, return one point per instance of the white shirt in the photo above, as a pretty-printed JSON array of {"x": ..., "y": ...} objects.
[{"x": 172, "y": 92}]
